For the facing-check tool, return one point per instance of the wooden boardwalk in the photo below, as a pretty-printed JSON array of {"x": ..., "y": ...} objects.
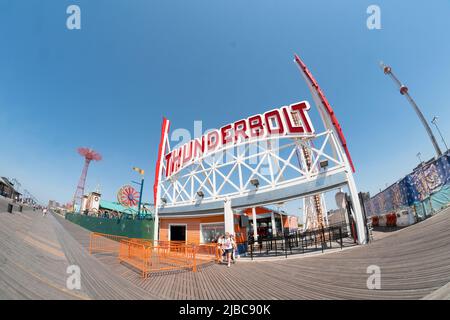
[
  {"x": 414, "y": 262},
  {"x": 35, "y": 252}
]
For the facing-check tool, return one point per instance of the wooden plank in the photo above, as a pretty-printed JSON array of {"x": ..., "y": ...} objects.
[{"x": 414, "y": 262}]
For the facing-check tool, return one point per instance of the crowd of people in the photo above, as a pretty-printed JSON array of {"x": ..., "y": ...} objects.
[{"x": 227, "y": 248}]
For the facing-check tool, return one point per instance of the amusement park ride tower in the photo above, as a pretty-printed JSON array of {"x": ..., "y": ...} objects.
[
  {"x": 404, "y": 91},
  {"x": 88, "y": 155},
  {"x": 312, "y": 206}
]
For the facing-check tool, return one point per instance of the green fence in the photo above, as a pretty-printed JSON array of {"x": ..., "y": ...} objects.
[
  {"x": 433, "y": 204},
  {"x": 119, "y": 227}
]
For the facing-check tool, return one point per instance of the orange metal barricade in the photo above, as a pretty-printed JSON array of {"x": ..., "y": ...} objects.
[
  {"x": 107, "y": 243},
  {"x": 148, "y": 259},
  {"x": 149, "y": 256},
  {"x": 207, "y": 252},
  {"x": 134, "y": 254},
  {"x": 102, "y": 242},
  {"x": 167, "y": 258}
]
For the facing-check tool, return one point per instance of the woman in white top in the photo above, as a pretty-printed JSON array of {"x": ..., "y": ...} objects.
[{"x": 227, "y": 245}]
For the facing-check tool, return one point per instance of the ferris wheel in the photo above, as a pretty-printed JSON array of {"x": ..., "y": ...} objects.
[{"x": 128, "y": 196}]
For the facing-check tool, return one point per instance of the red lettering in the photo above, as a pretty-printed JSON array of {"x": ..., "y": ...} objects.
[
  {"x": 292, "y": 128},
  {"x": 176, "y": 159},
  {"x": 212, "y": 139},
  {"x": 226, "y": 136},
  {"x": 302, "y": 107},
  {"x": 199, "y": 147},
  {"x": 187, "y": 152},
  {"x": 274, "y": 114},
  {"x": 240, "y": 128},
  {"x": 256, "y": 126},
  {"x": 168, "y": 163},
  {"x": 278, "y": 121}
]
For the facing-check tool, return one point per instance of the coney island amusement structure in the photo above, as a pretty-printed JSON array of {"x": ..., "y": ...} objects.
[
  {"x": 225, "y": 178},
  {"x": 89, "y": 155}
]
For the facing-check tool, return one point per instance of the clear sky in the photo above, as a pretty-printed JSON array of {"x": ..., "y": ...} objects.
[{"x": 108, "y": 85}]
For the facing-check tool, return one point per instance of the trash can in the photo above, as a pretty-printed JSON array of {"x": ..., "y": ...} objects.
[{"x": 10, "y": 207}]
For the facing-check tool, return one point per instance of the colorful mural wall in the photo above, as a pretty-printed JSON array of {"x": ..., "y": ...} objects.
[{"x": 425, "y": 190}]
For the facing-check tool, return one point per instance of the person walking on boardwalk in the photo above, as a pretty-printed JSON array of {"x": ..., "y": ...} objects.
[
  {"x": 220, "y": 241},
  {"x": 228, "y": 247},
  {"x": 233, "y": 253},
  {"x": 44, "y": 212}
]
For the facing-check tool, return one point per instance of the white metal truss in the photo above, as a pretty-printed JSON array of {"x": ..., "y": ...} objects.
[
  {"x": 234, "y": 171},
  {"x": 260, "y": 172}
]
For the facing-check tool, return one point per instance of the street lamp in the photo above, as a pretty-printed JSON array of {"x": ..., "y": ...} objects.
[
  {"x": 418, "y": 156},
  {"x": 141, "y": 172},
  {"x": 200, "y": 193},
  {"x": 255, "y": 182},
  {"x": 434, "y": 121}
]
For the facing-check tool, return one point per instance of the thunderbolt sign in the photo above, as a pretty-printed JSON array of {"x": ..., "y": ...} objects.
[{"x": 273, "y": 123}]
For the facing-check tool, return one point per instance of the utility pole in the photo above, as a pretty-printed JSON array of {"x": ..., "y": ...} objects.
[
  {"x": 434, "y": 121},
  {"x": 404, "y": 91}
]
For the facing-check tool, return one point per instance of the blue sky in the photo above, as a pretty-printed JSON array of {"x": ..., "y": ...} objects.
[{"x": 108, "y": 85}]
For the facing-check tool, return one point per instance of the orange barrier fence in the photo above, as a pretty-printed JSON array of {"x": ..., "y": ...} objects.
[
  {"x": 149, "y": 259},
  {"x": 134, "y": 254},
  {"x": 208, "y": 252},
  {"x": 149, "y": 256},
  {"x": 107, "y": 243},
  {"x": 169, "y": 257},
  {"x": 102, "y": 242}
]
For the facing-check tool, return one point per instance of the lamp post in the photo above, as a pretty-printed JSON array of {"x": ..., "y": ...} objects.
[
  {"x": 434, "y": 121},
  {"x": 418, "y": 156},
  {"x": 141, "y": 172}
]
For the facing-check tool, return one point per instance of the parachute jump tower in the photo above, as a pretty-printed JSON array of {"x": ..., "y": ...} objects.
[{"x": 88, "y": 155}]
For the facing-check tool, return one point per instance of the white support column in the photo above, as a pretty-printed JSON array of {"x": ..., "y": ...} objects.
[
  {"x": 324, "y": 209},
  {"x": 228, "y": 217},
  {"x": 282, "y": 226},
  {"x": 340, "y": 202},
  {"x": 255, "y": 225},
  {"x": 281, "y": 219},
  {"x": 304, "y": 214},
  {"x": 156, "y": 225},
  {"x": 274, "y": 226},
  {"x": 358, "y": 215}
]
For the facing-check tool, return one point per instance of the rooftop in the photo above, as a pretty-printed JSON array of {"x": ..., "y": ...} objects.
[{"x": 115, "y": 206}]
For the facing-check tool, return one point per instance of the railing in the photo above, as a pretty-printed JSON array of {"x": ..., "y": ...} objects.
[
  {"x": 300, "y": 242},
  {"x": 207, "y": 253},
  {"x": 152, "y": 256},
  {"x": 134, "y": 254},
  {"x": 106, "y": 243},
  {"x": 149, "y": 256},
  {"x": 168, "y": 258},
  {"x": 152, "y": 259}
]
